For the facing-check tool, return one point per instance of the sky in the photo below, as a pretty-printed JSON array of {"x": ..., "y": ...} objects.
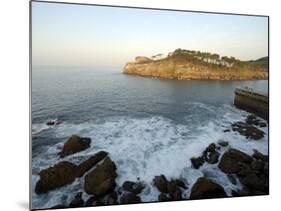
[{"x": 81, "y": 35}]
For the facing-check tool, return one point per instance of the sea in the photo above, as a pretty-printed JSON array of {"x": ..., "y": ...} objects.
[{"x": 149, "y": 126}]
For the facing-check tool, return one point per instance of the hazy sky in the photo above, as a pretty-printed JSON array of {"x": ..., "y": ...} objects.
[{"x": 64, "y": 34}]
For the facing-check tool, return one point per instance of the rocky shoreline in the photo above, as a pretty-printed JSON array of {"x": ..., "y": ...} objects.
[{"x": 99, "y": 173}]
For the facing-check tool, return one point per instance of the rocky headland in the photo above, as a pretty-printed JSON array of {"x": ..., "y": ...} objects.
[{"x": 196, "y": 65}]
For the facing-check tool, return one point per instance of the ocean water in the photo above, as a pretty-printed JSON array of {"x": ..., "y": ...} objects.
[{"x": 149, "y": 126}]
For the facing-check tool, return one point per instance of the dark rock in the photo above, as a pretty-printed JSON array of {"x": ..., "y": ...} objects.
[
  {"x": 247, "y": 130},
  {"x": 161, "y": 183},
  {"x": 223, "y": 143},
  {"x": 61, "y": 174},
  {"x": 259, "y": 156},
  {"x": 133, "y": 187},
  {"x": 164, "y": 197},
  {"x": 75, "y": 144},
  {"x": 90, "y": 163},
  {"x": 93, "y": 201},
  {"x": 111, "y": 199},
  {"x": 210, "y": 154},
  {"x": 257, "y": 165},
  {"x": 231, "y": 160},
  {"x": 176, "y": 195},
  {"x": 226, "y": 131},
  {"x": 129, "y": 198},
  {"x": 101, "y": 180},
  {"x": 266, "y": 169},
  {"x": 180, "y": 183},
  {"x": 253, "y": 120},
  {"x": 245, "y": 169},
  {"x": 197, "y": 162},
  {"x": 206, "y": 189},
  {"x": 255, "y": 182},
  {"x": 77, "y": 201},
  {"x": 172, "y": 187}
]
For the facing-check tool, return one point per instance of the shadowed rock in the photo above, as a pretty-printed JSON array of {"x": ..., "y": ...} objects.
[
  {"x": 101, "y": 180},
  {"x": 129, "y": 198},
  {"x": 161, "y": 183},
  {"x": 232, "y": 159},
  {"x": 64, "y": 173},
  {"x": 206, "y": 189},
  {"x": 247, "y": 130},
  {"x": 89, "y": 163},
  {"x": 197, "y": 162},
  {"x": 133, "y": 187},
  {"x": 59, "y": 175},
  {"x": 75, "y": 144}
]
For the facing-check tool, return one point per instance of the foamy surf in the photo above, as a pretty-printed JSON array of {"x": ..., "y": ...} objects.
[{"x": 145, "y": 147}]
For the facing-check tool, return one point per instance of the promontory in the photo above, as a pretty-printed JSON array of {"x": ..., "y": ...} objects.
[{"x": 195, "y": 65}]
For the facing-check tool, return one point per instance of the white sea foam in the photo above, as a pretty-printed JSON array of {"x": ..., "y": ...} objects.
[
  {"x": 144, "y": 148},
  {"x": 38, "y": 128}
]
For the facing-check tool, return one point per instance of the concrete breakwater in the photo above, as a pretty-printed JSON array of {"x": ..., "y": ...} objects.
[{"x": 249, "y": 100}]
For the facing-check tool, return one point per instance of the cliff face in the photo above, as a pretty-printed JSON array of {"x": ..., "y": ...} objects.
[{"x": 182, "y": 67}]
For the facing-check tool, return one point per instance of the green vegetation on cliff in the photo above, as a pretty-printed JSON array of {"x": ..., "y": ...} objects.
[{"x": 189, "y": 64}]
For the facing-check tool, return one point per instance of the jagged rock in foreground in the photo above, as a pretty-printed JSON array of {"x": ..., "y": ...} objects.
[
  {"x": 185, "y": 65},
  {"x": 75, "y": 144},
  {"x": 64, "y": 173},
  {"x": 210, "y": 155},
  {"x": 101, "y": 180},
  {"x": 247, "y": 130},
  {"x": 169, "y": 190},
  {"x": 252, "y": 171},
  {"x": 133, "y": 187},
  {"x": 59, "y": 175},
  {"x": 206, "y": 189}
]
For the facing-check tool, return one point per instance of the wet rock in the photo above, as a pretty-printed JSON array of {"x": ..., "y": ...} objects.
[
  {"x": 172, "y": 187},
  {"x": 206, "y": 189},
  {"x": 210, "y": 154},
  {"x": 259, "y": 156},
  {"x": 75, "y": 144},
  {"x": 129, "y": 198},
  {"x": 176, "y": 196},
  {"x": 161, "y": 183},
  {"x": 231, "y": 160},
  {"x": 91, "y": 162},
  {"x": 93, "y": 201},
  {"x": 133, "y": 187},
  {"x": 101, "y": 180},
  {"x": 253, "y": 120},
  {"x": 164, "y": 197},
  {"x": 180, "y": 183},
  {"x": 197, "y": 162},
  {"x": 61, "y": 174},
  {"x": 77, "y": 201},
  {"x": 257, "y": 165},
  {"x": 223, "y": 143},
  {"x": 111, "y": 199},
  {"x": 255, "y": 182},
  {"x": 247, "y": 130}
]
